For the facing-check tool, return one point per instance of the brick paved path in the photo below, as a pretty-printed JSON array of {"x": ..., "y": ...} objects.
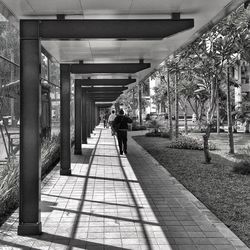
[{"x": 107, "y": 204}]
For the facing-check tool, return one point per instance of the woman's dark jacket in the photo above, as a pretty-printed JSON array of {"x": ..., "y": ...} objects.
[{"x": 123, "y": 120}]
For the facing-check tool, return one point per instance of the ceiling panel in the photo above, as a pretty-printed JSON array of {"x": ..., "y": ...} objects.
[
  {"x": 69, "y": 51},
  {"x": 104, "y": 44},
  {"x": 169, "y": 6},
  {"x": 106, "y": 6},
  {"x": 56, "y": 6},
  {"x": 19, "y": 7}
]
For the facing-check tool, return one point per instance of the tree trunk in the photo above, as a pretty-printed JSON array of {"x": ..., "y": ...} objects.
[
  {"x": 176, "y": 107},
  {"x": 206, "y": 145},
  {"x": 229, "y": 117},
  {"x": 218, "y": 114},
  {"x": 117, "y": 107},
  {"x": 170, "y": 123},
  {"x": 133, "y": 111},
  {"x": 185, "y": 120},
  {"x": 139, "y": 104}
]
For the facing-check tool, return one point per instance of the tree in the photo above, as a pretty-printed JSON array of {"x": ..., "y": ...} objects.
[{"x": 130, "y": 101}]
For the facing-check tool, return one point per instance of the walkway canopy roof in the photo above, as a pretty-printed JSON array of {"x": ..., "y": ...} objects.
[{"x": 205, "y": 13}]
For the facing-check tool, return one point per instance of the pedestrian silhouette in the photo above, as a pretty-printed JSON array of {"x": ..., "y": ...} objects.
[{"x": 121, "y": 127}]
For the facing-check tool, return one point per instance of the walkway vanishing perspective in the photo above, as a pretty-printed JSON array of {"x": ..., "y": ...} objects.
[{"x": 119, "y": 202}]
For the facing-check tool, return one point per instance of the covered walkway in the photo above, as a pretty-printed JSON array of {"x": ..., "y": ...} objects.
[{"x": 119, "y": 202}]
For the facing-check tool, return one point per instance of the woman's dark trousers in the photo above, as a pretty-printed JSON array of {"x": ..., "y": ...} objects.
[{"x": 122, "y": 140}]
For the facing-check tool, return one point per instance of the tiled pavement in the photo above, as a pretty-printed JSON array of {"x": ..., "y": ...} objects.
[{"x": 107, "y": 204}]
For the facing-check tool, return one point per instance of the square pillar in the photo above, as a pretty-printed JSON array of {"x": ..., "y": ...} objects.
[
  {"x": 88, "y": 118},
  {"x": 92, "y": 116},
  {"x": 78, "y": 119},
  {"x": 96, "y": 117},
  {"x": 65, "y": 119},
  {"x": 84, "y": 116},
  {"x": 30, "y": 143}
]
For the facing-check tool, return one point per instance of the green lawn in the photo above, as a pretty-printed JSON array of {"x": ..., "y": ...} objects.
[{"x": 225, "y": 193}]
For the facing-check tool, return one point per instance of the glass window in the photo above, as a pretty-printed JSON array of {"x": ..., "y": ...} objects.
[
  {"x": 44, "y": 67},
  {"x": 9, "y": 40}
]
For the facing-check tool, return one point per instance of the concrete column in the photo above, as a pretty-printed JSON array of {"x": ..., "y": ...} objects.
[
  {"x": 96, "y": 116},
  {"x": 93, "y": 118},
  {"x": 65, "y": 119},
  {"x": 78, "y": 119},
  {"x": 84, "y": 116},
  {"x": 88, "y": 117},
  {"x": 30, "y": 144}
]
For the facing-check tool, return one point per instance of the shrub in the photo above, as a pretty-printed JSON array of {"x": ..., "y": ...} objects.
[
  {"x": 136, "y": 126},
  {"x": 153, "y": 134},
  {"x": 245, "y": 150},
  {"x": 165, "y": 135},
  {"x": 154, "y": 124},
  {"x": 9, "y": 187},
  {"x": 50, "y": 153},
  {"x": 242, "y": 167},
  {"x": 187, "y": 142},
  {"x": 9, "y": 175}
]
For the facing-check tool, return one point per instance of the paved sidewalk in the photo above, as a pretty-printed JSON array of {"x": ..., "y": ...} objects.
[{"x": 107, "y": 204}]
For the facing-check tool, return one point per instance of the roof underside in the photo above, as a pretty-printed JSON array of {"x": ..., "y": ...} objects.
[{"x": 203, "y": 12}]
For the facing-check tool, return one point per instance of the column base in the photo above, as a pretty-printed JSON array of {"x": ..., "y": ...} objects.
[
  {"x": 29, "y": 229},
  {"x": 65, "y": 172}
]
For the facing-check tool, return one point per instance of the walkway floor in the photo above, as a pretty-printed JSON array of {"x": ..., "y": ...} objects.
[{"x": 119, "y": 202}]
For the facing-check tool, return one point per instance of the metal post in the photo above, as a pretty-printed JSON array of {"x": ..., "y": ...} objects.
[
  {"x": 84, "y": 116},
  {"x": 65, "y": 119},
  {"x": 78, "y": 119},
  {"x": 139, "y": 104},
  {"x": 30, "y": 158}
]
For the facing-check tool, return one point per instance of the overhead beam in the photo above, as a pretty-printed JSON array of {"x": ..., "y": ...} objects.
[
  {"x": 105, "y": 89},
  {"x": 89, "y": 68},
  {"x": 120, "y": 28},
  {"x": 104, "y": 99},
  {"x": 104, "y": 94},
  {"x": 105, "y": 82}
]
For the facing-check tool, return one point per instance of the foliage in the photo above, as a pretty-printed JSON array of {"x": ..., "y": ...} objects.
[
  {"x": 130, "y": 101},
  {"x": 153, "y": 134},
  {"x": 187, "y": 142},
  {"x": 9, "y": 187},
  {"x": 9, "y": 175},
  {"x": 136, "y": 126},
  {"x": 242, "y": 167},
  {"x": 166, "y": 135},
  {"x": 50, "y": 153},
  {"x": 154, "y": 124}
]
